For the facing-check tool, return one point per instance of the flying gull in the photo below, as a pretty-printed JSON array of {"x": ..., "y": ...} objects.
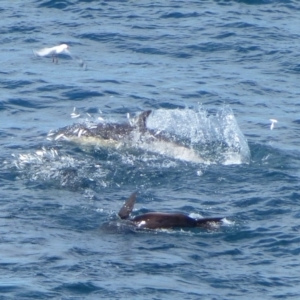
[{"x": 54, "y": 51}]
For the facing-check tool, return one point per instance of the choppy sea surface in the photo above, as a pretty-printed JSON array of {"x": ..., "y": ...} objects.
[{"x": 213, "y": 73}]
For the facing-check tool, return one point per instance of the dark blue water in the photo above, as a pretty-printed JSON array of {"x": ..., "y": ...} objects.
[{"x": 214, "y": 73}]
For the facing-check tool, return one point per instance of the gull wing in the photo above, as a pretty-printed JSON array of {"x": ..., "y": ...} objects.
[
  {"x": 68, "y": 52},
  {"x": 43, "y": 52}
]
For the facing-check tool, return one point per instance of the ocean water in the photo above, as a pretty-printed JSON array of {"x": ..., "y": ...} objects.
[{"x": 213, "y": 73}]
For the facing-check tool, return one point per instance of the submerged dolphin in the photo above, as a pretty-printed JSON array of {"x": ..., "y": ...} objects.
[
  {"x": 91, "y": 134},
  {"x": 158, "y": 220},
  {"x": 135, "y": 135}
]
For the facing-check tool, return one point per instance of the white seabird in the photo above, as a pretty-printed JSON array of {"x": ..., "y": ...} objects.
[{"x": 53, "y": 51}]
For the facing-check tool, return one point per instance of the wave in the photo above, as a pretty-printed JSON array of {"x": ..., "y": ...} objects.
[{"x": 177, "y": 139}]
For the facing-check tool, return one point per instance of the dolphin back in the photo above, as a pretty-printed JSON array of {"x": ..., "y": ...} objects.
[
  {"x": 208, "y": 222},
  {"x": 127, "y": 208}
]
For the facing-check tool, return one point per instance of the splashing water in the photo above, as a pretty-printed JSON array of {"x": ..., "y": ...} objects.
[
  {"x": 187, "y": 136},
  {"x": 217, "y": 138}
]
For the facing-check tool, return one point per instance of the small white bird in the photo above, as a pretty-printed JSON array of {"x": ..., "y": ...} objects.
[
  {"x": 53, "y": 51},
  {"x": 273, "y": 121}
]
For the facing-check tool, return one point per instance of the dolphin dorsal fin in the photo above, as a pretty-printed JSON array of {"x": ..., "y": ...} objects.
[
  {"x": 141, "y": 121},
  {"x": 127, "y": 207}
]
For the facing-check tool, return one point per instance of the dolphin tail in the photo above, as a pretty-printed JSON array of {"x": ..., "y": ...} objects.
[
  {"x": 127, "y": 208},
  {"x": 142, "y": 118},
  {"x": 208, "y": 222}
]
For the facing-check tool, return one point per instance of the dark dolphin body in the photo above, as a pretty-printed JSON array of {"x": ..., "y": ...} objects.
[
  {"x": 135, "y": 135},
  {"x": 111, "y": 131},
  {"x": 158, "y": 220}
]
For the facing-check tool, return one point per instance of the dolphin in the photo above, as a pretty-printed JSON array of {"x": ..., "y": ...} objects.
[
  {"x": 135, "y": 135},
  {"x": 91, "y": 134},
  {"x": 159, "y": 220}
]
